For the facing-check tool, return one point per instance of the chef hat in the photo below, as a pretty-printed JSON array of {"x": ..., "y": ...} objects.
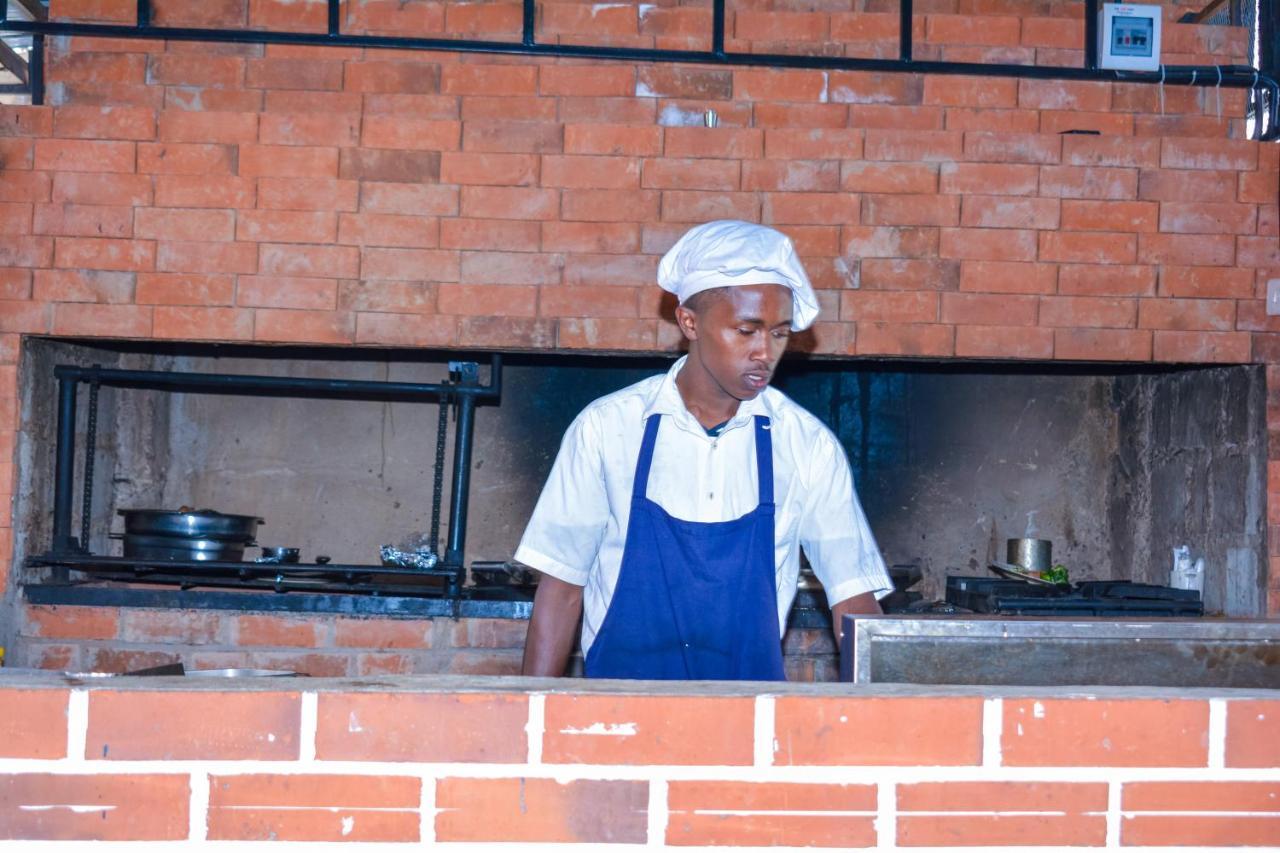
[{"x": 728, "y": 253}]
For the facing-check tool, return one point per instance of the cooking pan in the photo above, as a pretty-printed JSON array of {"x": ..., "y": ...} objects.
[{"x": 191, "y": 523}]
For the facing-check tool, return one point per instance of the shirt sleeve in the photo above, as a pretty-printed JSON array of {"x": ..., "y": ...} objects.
[
  {"x": 568, "y": 523},
  {"x": 834, "y": 531}
]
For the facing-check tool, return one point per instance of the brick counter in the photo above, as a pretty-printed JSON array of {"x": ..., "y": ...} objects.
[{"x": 441, "y": 759}]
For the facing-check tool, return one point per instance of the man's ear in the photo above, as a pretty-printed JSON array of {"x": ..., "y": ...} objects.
[{"x": 687, "y": 320}]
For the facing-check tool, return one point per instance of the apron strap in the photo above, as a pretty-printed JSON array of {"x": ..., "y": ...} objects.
[
  {"x": 641, "y": 486},
  {"x": 764, "y": 458}
]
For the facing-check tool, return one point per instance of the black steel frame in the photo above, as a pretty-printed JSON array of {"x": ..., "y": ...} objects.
[
  {"x": 464, "y": 390},
  {"x": 1237, "y": 76}
]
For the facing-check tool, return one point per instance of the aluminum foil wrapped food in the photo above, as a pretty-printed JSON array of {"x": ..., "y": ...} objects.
[{"x": 422, "y": 558}]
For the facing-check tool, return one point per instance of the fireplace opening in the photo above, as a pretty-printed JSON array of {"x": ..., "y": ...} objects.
[{"x": 1116, "y": 465}]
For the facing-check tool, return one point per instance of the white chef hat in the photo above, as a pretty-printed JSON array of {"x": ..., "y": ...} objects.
[{"x": 728, "y": 253}]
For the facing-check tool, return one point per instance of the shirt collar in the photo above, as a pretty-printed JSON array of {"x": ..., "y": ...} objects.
[{"x": 666, "y": 400}]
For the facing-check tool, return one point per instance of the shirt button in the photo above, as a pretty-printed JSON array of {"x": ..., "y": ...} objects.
[{"x": 711, "y": 495}]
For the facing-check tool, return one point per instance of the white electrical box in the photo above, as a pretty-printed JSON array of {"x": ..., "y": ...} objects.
[{"x": 1129, "y": 37}]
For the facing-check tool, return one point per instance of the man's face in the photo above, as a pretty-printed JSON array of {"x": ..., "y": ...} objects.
[{"x": 738, "y": 334}]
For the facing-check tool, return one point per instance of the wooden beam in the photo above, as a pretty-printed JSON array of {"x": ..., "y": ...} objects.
[
  {"x": 14, "y": 63},
  {"x": 34, "y": 9}
]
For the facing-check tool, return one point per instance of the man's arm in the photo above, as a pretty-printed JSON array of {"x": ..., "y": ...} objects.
[
  {"x": 865, "y": 603},
  {"x": 557, "y": 607}
]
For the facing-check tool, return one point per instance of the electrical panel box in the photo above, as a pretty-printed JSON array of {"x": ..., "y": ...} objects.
[{"x": 1129, "y": 37}]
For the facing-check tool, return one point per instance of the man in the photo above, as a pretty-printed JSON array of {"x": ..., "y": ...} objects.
[{"x": 672, "y": 520}]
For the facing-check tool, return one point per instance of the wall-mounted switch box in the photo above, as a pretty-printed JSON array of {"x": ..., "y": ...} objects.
[
  {"x": 1129, "y": 37},
  {"x": 1273, "y": 296}
]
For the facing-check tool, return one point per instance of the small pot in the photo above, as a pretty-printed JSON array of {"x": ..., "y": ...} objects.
[
  {"x": 1033, "y": 555},
  {"x": 182, "y": 548},
  {"x": 192, "y": 524}
]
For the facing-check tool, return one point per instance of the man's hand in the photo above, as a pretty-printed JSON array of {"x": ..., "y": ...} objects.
[
  {"x": 557, "y": 607},
  {"x": 865, "y": 603}
]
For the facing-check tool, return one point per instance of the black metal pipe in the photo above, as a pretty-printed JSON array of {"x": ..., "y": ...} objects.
[
  {"x": 1233, "y": 77},
  {"x": 144, "y": 13},
  {"x": 905, "y": 20},
  {"x": 1090, "y": 34},
  {"x": 64, "y": 468},
  {"x": 335, "y": 18},
  {"x": 35, "y": 69},
  {"x": 529, "y": 22},
  {"x": 462, "y": 442},
  {"x": 717, "y": 27},
  {"x": 227, "y": 383},
  {"x": 90, "y": 455}
]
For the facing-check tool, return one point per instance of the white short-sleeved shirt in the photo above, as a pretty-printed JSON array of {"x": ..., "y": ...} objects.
[{"x": 579, "y": 526}]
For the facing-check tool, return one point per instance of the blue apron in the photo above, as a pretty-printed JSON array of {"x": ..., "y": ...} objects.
[{"x": 694, "y": 600}]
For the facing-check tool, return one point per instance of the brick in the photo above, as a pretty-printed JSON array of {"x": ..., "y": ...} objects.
[
  {"x": 1230, "y": 154},
  {"x": 721, "y": 142},
  {"x": 121, "y": 807},
  {"x": 606, "y": 334},
  {"x": 812, "y": 730},
  {"x": 1187, "y": 314},
  {"x": 521, "y": 332},
  {"x": 496, "y": 300},
  {"x": 541, "y": 810},
  {"x": 1004, "y": 342},
  {"x": 191, "y": 322},
  {"x": 402, "y": 330},
  {"x": 15, "y": 284},
  {"x": 614, "y": 140},
  {"x": 889, "y": 307},
  {"x": 590, "y": 237},
  {"x": 983, "y": 119},
  {"x": 87, "y": 188},
  {"x": 1088, "y": 182},
  {"x": 988, "y": 178},
  {"x": 1102, "y": 345},
  {"x": 470, "y": 79},
  {"x": 309, "y": 129},
  {"x": 473, "y": 727},
  {"x": 1200, "y": 347},
  {"x": 102, "y": 253},
  {"x": 34, "y": 724},
  {"x": 32, "y": 186},
  {"x": 1111, "y": 151},
  {"x": 1087, "y": 247},
  {"x": 1105, "y": 733},
  {"x": 176, "y": 69},
  {"x": 299, "y": 326},
  {"x": 508, "y": 234},
  {"x": 383, "y": 634},
  {"x": 182, "y": 158},
  {"x": 174, "y": 288},
  {"x": 195, "y": 98},
  {"x": 511, "y": 203},
  {"x": 377, "y": 131},
  {"x": 861, "y": 176},
  {"x": 37, "y": 251},
  {"x": 779, "y": 85},
  {"x": 796, "y": 208},
  {"x": 1215, "y": 250},
  {"x": 594, "y": 79},
  {"x": 1206, "y": 282},
  {"x": 984, "y": 309},
  {"x": 889, "y": 117},
  {"x": 290, "y": 73},
  {"x": 1208, "y": 218},
  {"x": 386, "y": 229},
  {"x": 140, "y": 725},
  {"x": 1012, "y": 147},
  {"x": 393, "y": 77},
  {"x": 313, "y": 294},
  {"x": 502, "y": 136},
  {"x": 1200, "y": 813},
  {"x": 290, "y": 161},
  {"x": 680, "y": 206},
  {"x": 1052, "y": 32},
  {"x": 962, "y": 91},
  {"x": 590, "y": 172},
  {"x": 206, "y": 258},
  {"x": 153, "y": 223},
  {"x": 1007, "y": 277},
  {"x": 26, "y": 121},
  {"x": 309, "y": 194},
  {"x": 770, "y": 814},
  {"x": 490, "y": 169},
  {"x": 322, "y": 261},
  {"x": 643, "y": 731},
  {"x": 817, "y": 144},
  {"x": 1257, "y": 187},
  {"x": 674, "y": 81},
  {"x": 1071, "y": 123},
  {"x": 294, "y": 101},
  {"x": 690, "y": 174},
  {"x": 287, "y": 15},
  {"x": 987, "y": 244},
  {"x": 68, "y": 219},
  {"x": 916, "y": 339},
  {"x": 313, "y": 807},
  {"x": 83, "y": 286},
  {"x": 1088, "y": 311},
  {"x": 1186, "y": 185},
  {"x": 977, "y": 813},
  {"x": 94, "y": 122},
  {"x": 1009, "y": 212},
  {"x": 199, "y": 191},
  {"x": 590, "y": 205},
  {"x": 1253, "y": 733},
  {"x": 481, "y": 18},
  {"x": 83, "y": 155},
  {"x": 1064, "y": 95},
  {"x": 906, "y": 274},
  {"x": 873, "y": 87},
  {"x": 256, "y": 629},
  {"x": 286, "y": 226},
  {"x": 1130, "y": 216},
  {"x": 395, "y": 18},
  {"x": 910, "y": 210},
  {"x": 408, "y": 297},
  {"x": 926, "y": 146},
  {"x": 407, "y": 264},
  {"x": 511, "y": 268}
]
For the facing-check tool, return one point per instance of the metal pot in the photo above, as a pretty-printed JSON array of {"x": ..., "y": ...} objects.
[
  {"x": 194, "y": 524},
  {"x": 1032, "y": 555},
  {"x": 182, "y": 548}
]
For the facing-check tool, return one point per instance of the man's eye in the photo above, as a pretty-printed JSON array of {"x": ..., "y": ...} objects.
[{"x": 746, "y": 331}]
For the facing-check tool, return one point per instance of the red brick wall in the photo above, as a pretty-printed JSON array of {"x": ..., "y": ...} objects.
[
  {"x": 308, "y": 761},
  {"x": 378, "y": 197}
]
